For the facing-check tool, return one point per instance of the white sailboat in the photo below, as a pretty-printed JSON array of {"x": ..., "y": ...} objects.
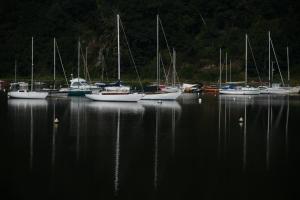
[
  {"x": 25, "y": 94},
  {"x": 117, "y": 93},
  {"x": 172, "y": 88},
  {"x": 79, "y": 86},
  {"x": 294, "y": 89},
  {"x": 273, "y": 88},
  {"x": 161, "y": 95},
  {"x": 238, "y": 90}
]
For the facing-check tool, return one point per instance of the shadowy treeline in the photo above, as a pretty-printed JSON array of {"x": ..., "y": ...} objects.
[{"x": 195, "y": 28}]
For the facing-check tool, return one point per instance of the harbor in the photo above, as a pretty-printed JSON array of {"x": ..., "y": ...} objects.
[{"x": 150, "y": 100}]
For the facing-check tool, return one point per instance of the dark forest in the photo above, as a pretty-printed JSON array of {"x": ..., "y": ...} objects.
[{"x": 196, "y": 29}]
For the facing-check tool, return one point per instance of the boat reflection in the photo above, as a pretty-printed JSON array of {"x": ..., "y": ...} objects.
[
  {"x": 124, "y": 107},
  {"x": 237, "y": 100},
  {"x": 77, "y": 106},
  {"x": 269, "y": 107},
  {"x": 161, "y": 104},
  {"x": 157, "y": 130},
  {"x": 27, "y": 102},
  {"x": 117, "y": 156},
  {"x": 21, "y": 108}
]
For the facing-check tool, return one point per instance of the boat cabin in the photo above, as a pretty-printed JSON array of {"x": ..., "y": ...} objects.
[{"x": 19, "y": 86}]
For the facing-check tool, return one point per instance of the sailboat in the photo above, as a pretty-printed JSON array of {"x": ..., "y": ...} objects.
[
  {"x": 238, "y": 90},
  {"x": 160, "y": 95},
  {"x": 294, "y": 89},
  {"x": 119, "y": 92},
  {"x": 273, "y": 88},
  {"x": 25, "y": 94},
  {"x": 79, "y": 86},
  {"x": 172, "y": 88},
  {"x": 54, "y": 91}
]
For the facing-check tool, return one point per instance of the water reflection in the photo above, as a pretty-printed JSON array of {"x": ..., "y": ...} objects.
[
  {"x": 54, "y": 133},
  {"x": 116, "y": 149},
  {"x": 21, "y": 109},
  {"x": 25, "y": 103},
  {"x": 157, "y": 128},
  {"x": 127, "y": 107},
  {"x": 237, "y": 107},
  {"x": 245, "y": 138},
  {"x": 287, "y": 127},
  {"x": 31, "y": 138},
  {"x": 171, "y": 112},
  {"x": 268, "y": 134},
  {"x": 117, "y": 155},
  {"x": 165, "y": 105}
]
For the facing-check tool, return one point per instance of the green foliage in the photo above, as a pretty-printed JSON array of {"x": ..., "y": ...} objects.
[{"x": 195, "y": 28}]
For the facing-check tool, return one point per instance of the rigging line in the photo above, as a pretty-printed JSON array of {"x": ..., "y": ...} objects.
[
  {"x": 131, "y": 56},
  {"x": 277, "y": 62},
  {"x": 177, "y": 77},
  {"x": 168, "y": 47},
  {"x": 254, "y": 61},
  {"x": 62, "y": 65},
  {"x": 165, "y": 37},
  {"x": 162, "y": 62},
  {"x": 83, "y": 58},
  {"x": 85, "y": 66}
]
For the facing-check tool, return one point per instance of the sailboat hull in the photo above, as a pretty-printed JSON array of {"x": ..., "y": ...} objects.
[
  {"x": 275, "y": 91},
  {"x": 27, "y": 95},
  {"x": 162, "y": 96},
  {"x": 240, "y": 91},
  {"x": 115, "y": 97},
  {"x": 78, "y": 92}
]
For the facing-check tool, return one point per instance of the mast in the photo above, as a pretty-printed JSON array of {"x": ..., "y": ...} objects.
[
  {"x": 31, "y": 63},
  {"x": 230, "y": 70},
  {"x": 15, "y": 71},
  {"x": 288, "y": 64},
  {"x": 270, "y": 59},
  {"x": 118, "y": 22},
  {"x": 86, "y": 65},
  {"x": 226, "y": 67},
  {"x": 78, "y": 64},
  {"x": 272, "y": 69},
  {"x": 220, "y": 79},
  {"x": 54, "y": 63},
  {"x": 157, "y": 51},
  {"x": 174, "y": 66},
  {"x": 246, "y": 59}
]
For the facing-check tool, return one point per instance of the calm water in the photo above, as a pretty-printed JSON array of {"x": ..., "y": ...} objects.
[{"x": 148, "y": 150}]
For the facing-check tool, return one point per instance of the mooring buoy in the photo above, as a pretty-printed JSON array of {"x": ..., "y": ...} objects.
[
  {"x": 200, "y": 100},
  {"x": 56, "y": 121},
  {"x": 241, "y": 119}
]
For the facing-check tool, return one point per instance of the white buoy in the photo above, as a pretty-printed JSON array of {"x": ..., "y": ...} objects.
[
  {"x": 241, "y": 119},
  {"x": 159, "y": 101},
  {"x": 56, "y": 121},
  {"x": 233, "y": 98},
  {"x": 200, "y": 100}
]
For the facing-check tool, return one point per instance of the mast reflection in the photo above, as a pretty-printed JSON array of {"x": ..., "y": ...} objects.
[
  {"x": 245, "y": 137},
  {"x": 117, "y": 155},
  {"x": 31, "y": 138},
  {"x": 157, "y": 125}
]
